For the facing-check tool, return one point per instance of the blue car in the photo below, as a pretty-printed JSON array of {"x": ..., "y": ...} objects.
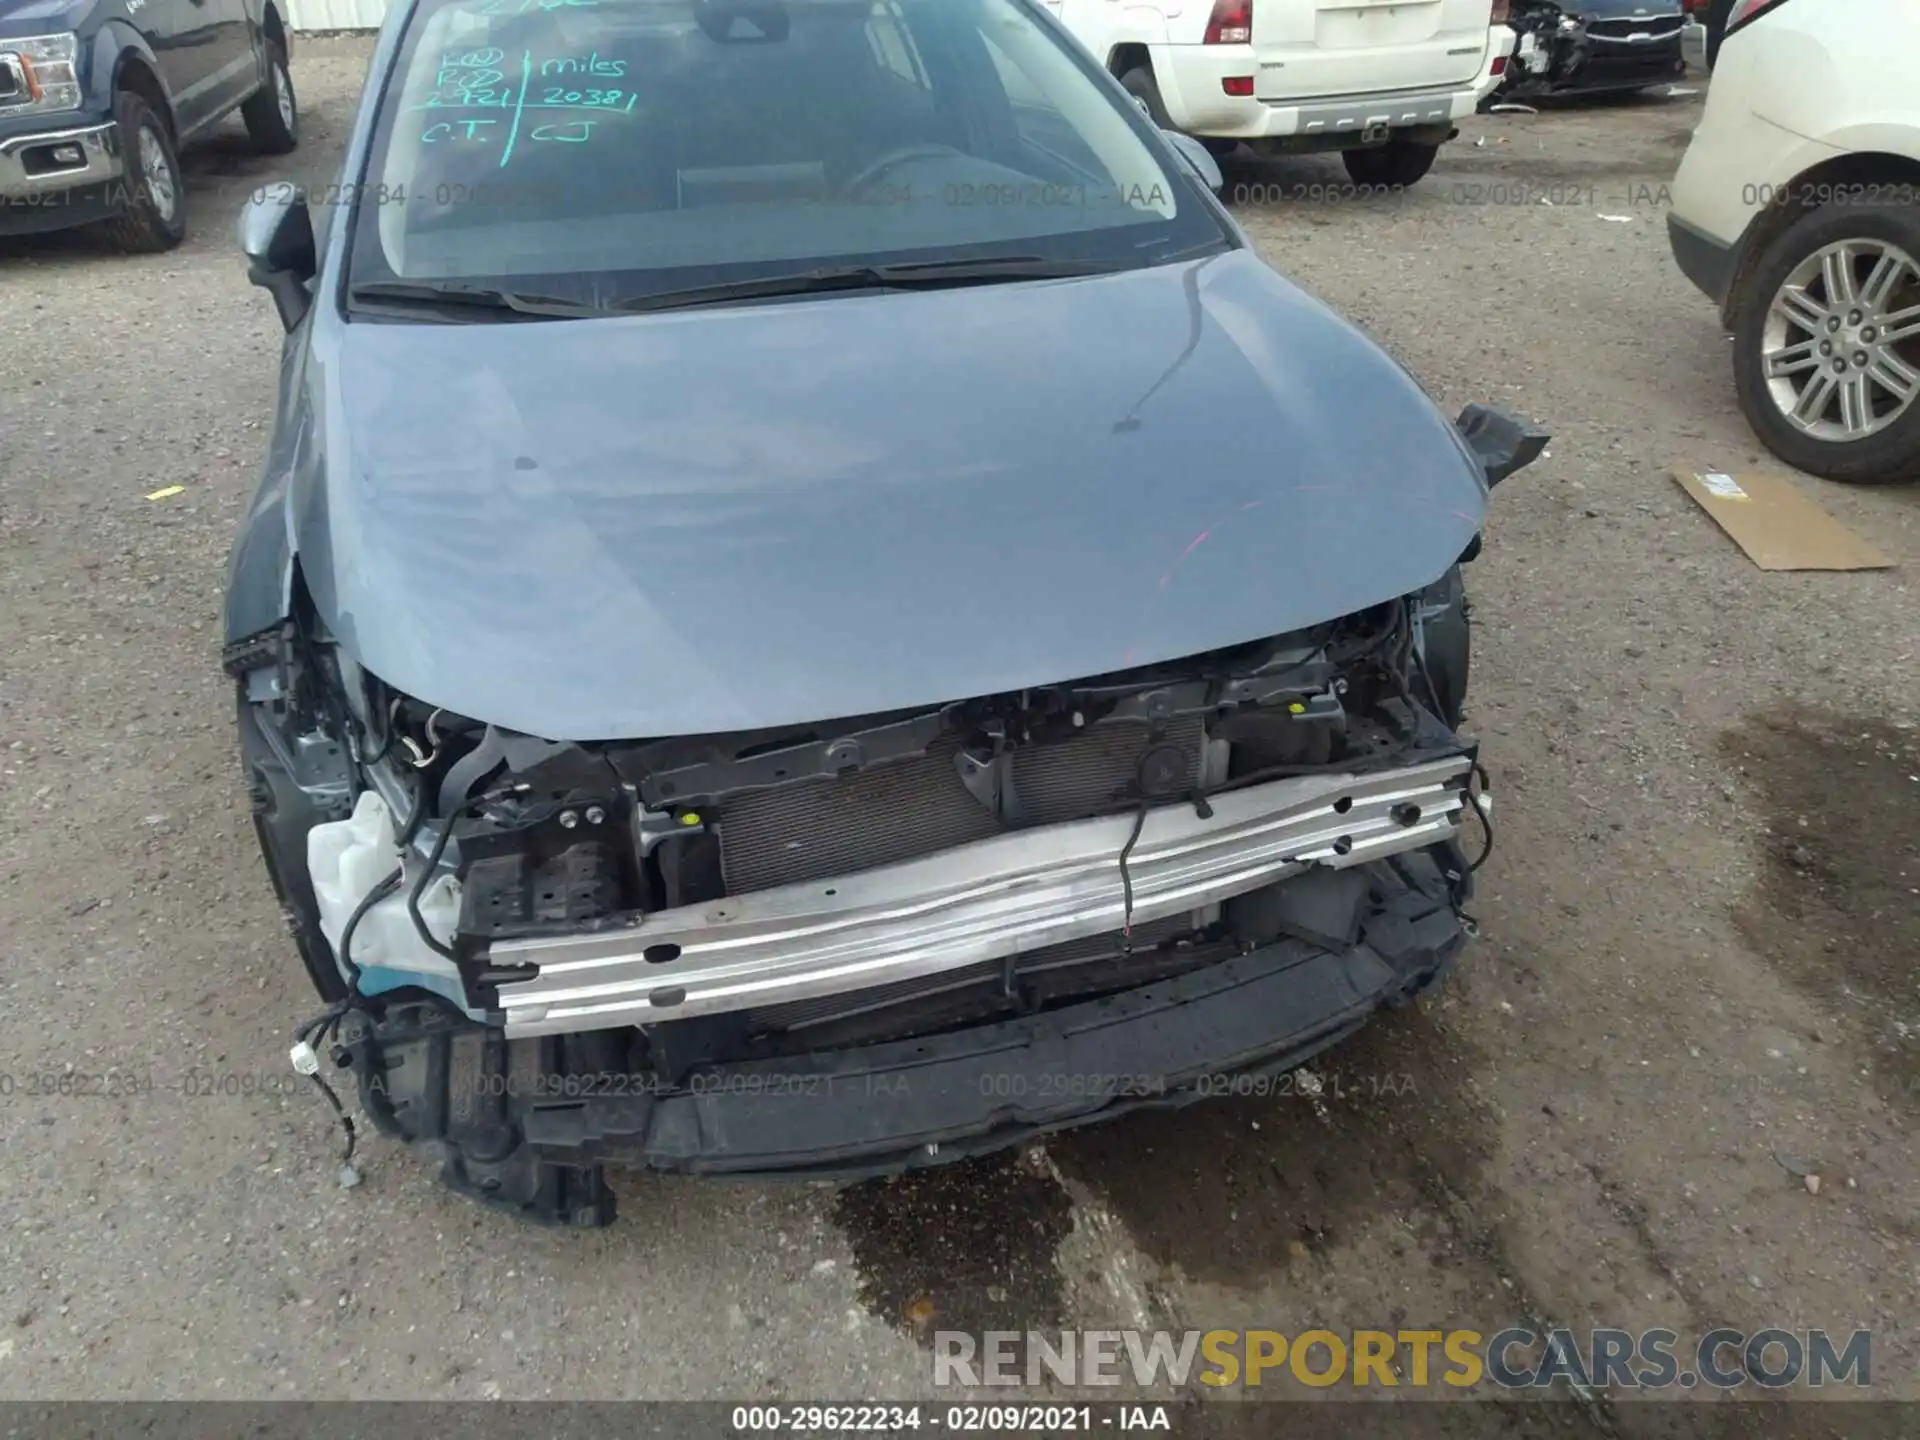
[
  {"x": 815, "y": 608},
  {"x": 96, "y": 101}
]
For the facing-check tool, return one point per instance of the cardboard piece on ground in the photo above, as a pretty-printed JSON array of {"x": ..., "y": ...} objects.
[{"x": 1776, "y": 523}]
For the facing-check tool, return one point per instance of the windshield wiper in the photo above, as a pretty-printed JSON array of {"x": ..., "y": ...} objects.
[
  {"x": 452, "y": 296},
  {"x": 927, "y": 274}
]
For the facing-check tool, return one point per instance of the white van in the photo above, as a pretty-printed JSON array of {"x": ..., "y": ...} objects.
[
  {"x": 1797, "y": 211},
  {"x": 1381, "y": 81}
]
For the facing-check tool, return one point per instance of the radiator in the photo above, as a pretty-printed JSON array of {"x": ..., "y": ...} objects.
[{"x": 823, "y": 828}]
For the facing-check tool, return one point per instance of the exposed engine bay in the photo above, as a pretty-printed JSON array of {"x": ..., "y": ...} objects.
[
  {"x": 666, "y": 904},
  {"x": 542, "y": 957},
  {"x": 1591, "y": 46}
]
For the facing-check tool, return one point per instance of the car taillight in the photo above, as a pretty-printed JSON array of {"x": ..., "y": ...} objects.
[
  {"x": 1230, "y": 24},
  {"x": 1499, "y": 65},
  {"x": 1747, "y": 10},
  {"x": 1502, "y": 12}
]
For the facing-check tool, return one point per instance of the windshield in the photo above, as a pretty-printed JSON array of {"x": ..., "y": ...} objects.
[{"x": 602, "y": 150}]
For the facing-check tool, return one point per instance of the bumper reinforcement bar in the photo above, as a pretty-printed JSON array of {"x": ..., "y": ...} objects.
[{"x": 983, "y": 901}]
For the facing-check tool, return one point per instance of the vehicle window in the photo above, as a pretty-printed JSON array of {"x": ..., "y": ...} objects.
[
  {"x": 1035, "y": 116},
  {"x": 894, "y": 51},
  {"x": 596, "y": 149}
]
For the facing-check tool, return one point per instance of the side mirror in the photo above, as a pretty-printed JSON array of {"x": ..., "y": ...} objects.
[
  {"x": 1199, "y": 159},
  {"x": 276, "y": 236}
]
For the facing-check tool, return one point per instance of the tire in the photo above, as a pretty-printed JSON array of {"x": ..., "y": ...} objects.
[
  {"x": 281, "y": 819},
  {"x": 153, "y": 208},
  {"x": 271, "y": 112},
  {"x": 1139, "y": 83},
  {"x": 1396, "y": 164},
  {"x": 1888, "y": 453}
]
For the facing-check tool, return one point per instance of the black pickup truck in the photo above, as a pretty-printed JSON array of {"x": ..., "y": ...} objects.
[{"x": 97, "y": 97}]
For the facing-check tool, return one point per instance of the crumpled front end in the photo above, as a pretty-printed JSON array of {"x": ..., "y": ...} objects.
[
  {"x": 881, "y": 941},
  {"x": 1592, "y": 47},
  {"x": 870, "y": 942}
]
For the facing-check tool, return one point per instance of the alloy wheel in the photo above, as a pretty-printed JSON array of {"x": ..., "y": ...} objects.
[
  {"x": 1840, "y": 351},
  {"x": 157, "y": 171}
]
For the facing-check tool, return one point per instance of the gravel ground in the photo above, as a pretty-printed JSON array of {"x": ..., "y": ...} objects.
[{"x": 1695, "y": 991}]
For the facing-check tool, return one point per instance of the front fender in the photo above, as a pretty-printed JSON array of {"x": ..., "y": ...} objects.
[
  {"x": 260, "y": 572},
  {"x": 268, "y": 18},
  {"x": 1880, "y": 136},
  {"x": 113, "y": 45}
]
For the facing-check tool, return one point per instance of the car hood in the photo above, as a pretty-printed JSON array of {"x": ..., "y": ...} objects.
[
  {"x": 773, "y": 514},
  {"x": 38, "y": 17}
]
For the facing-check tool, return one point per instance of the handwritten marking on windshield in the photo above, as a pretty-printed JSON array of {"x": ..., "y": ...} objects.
[
  {"x": 470, "y": 80},
  {"x": 470, "y": 130},
  {"x": 591, "y": 64},
  {"x": 521, "y": 7},
  {"x": 519, "y": 105}
]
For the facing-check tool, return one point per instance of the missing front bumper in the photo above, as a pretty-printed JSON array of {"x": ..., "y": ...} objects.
[
  {"x": 525, "y": 1125},
  {"x": 1012, "y": 893}
]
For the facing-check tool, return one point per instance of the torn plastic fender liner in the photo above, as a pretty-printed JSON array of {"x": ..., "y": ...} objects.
[{"x": 1503, "y": 443}]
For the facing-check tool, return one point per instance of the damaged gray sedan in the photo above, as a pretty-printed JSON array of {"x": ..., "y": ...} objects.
[{"x": 814, "y": 607}]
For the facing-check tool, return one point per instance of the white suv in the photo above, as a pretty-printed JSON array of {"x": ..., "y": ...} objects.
[
  {"x": 1797, "y": 210},
  {"x": 1382, "y": 81}
]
